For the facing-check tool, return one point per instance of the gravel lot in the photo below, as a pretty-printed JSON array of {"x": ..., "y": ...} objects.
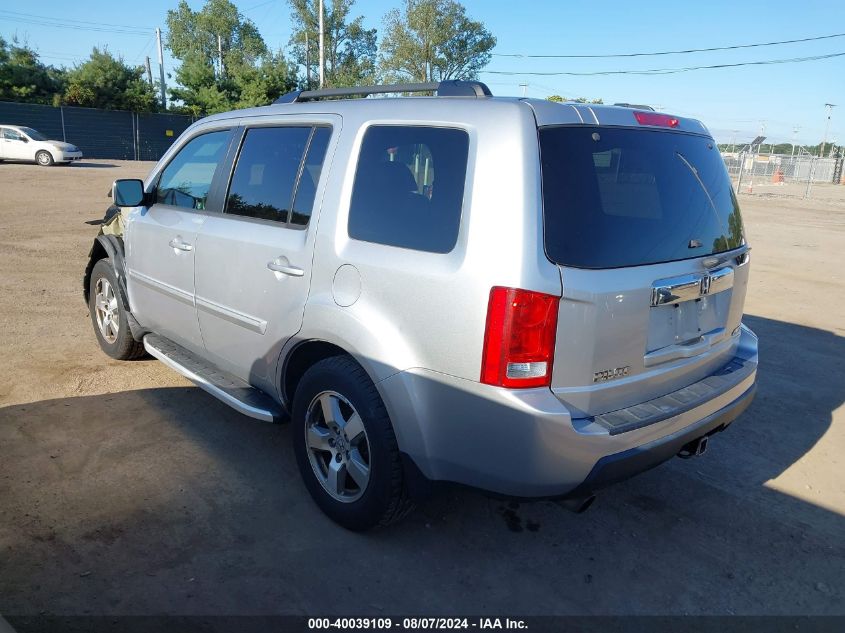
[{"x": 125, "y": 490}]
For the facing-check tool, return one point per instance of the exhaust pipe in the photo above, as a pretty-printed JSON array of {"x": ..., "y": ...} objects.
[
  {"x": 578, "y": 504},
  {"x": 694, "y": 448}
]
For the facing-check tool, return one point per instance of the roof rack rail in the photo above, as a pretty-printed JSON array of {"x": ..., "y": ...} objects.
[{"x": 450, "y": 88}]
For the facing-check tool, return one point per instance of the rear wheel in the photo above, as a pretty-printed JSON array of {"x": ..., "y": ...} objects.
[
  {"x": 108, "y": 314},
  {"x": 345, "y": 446},
  {"x": 44, "y": 158}
]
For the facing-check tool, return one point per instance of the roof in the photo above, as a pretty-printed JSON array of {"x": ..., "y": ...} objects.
[{"x": 458, "y": 101}]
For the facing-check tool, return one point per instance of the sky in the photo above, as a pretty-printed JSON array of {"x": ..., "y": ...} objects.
[{"x": 735, "y": 103}]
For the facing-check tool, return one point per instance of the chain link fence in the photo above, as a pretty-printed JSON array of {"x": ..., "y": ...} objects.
[
  {"x": 114, "y": 134},
  {"x": 782, "y": 174}
]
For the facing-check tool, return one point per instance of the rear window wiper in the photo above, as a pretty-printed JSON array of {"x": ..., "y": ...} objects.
[{"x": 722, "y": 223}]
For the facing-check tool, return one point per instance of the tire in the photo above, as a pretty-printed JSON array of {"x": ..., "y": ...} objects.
[
  {"x": 384, "y": 499},
  {"x": 44, "y": 158},
  {"x": 108, "y": 314}
]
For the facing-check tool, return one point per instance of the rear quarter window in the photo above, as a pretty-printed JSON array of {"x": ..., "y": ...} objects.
[{"x": 409, "y": 187}]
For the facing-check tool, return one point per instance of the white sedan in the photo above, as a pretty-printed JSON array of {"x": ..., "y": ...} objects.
[{"x": 25, "y": 144}]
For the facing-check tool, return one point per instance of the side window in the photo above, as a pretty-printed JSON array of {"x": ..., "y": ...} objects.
[
  {"x": 409, "y": 187},
  {"x": 303, "y": 204},
  {"x": 186, "y": 180},
  {"x": 265, "y": 174},
  {"x": 11, "y": 135}
]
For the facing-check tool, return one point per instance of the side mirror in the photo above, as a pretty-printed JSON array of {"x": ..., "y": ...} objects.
[
  {"x": 128, "y": 192},
  {"x": 24, "y": 139}
]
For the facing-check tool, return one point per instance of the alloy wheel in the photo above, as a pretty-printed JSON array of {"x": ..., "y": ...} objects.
[
  {"x": 106, "y": 310},
  {"x": 337, "y": 445}
]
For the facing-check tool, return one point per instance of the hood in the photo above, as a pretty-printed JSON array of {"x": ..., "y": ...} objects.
[{"x": 62, "y": 145}]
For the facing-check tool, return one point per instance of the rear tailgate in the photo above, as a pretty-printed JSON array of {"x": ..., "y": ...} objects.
[{"x": 647, "y": 233}]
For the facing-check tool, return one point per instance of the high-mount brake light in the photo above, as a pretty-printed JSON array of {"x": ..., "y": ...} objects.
[
  {"x": 519, "y": 340},
  {"x": 655, "y": 118}
]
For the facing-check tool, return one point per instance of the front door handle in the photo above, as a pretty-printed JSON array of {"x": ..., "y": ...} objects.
[
  {"x": 281, "y": 265},
  {"x": 177, "y": 243}
]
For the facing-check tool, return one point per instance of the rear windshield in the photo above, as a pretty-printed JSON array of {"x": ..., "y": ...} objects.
[{"x": 625, "y": 197}]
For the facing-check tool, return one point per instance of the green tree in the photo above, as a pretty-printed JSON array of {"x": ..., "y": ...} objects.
[
  {"x": 433, "y": 40},
  {"x": 106, "y": 81},
  {"x": 218, "y": 26},
  {"x": 24, "y": 78},
  {"x": 224, "y": 62},
  {"x": 350, "y": 49},
  {"x": 263, "y": 83}
]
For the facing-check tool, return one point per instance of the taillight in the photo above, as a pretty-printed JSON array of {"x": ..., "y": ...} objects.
[
  {"x": 519, "y": 341},
  {"x": 653, "y": 118}
]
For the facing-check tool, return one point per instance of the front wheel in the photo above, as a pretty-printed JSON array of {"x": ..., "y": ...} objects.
[
  {"x": 44, "y": 158},
  {"x": 345, "y": 446},
  {"x": 108, "y": 314}
]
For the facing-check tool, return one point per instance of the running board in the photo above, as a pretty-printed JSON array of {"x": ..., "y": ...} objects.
[{"x": 235, "y": 392}]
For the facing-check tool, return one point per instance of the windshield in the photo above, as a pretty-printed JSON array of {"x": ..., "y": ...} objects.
[
  {"x": 617, "y": 197},
  {"x": 35, "y": 135}
]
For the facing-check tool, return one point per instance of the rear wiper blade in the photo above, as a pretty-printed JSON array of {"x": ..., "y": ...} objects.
[{"x": 701, "y": 184}]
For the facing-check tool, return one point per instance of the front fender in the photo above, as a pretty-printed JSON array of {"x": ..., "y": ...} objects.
[{"x": 107, "y": 246}]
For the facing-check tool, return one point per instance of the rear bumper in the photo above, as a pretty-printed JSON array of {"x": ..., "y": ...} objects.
[
  {"x": 525, "y": 443},
  {"x": 620, "y": 466}
]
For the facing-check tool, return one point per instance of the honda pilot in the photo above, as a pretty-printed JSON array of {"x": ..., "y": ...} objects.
[{"x": 531, "y": 298}]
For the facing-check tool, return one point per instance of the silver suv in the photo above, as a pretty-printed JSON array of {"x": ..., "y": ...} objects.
[{"x": 531, "y": 298}]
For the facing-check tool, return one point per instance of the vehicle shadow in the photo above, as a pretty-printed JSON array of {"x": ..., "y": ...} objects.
[
  {"x": 85, "y": 165},
  {"x": 166, "y": 501}
]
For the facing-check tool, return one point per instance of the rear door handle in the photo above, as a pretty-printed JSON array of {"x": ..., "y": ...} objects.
[
  {"x": 177, "y": 243},
  {"x": 281, "y": 265}
]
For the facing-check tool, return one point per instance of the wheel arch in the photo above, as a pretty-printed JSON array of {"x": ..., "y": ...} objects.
[
  {"x": 43, "y": 149},
  {"x": 104, "y": 247},
  {"x": 111, "y": 246},
  {"x": 300, "y": 358}
]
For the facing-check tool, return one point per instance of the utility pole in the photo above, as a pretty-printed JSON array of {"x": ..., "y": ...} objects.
[
  {"x": 524, "y": 88},
  {"x": 149, "y": 72},
  {"x": 829, "y": 107},
  {"x": 161, "y": 69},
  {"x": 322, "y": 55},
  {"x": 307, "y": 64},
  {"x": 220, "y": 55}
]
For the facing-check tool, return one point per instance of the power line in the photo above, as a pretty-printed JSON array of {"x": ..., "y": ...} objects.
[
  {"x": 77, "y": 26},
  {"x": 63, "y": 20},
  {"x": 144, "y": 50},
  {"x": 260, "y": 4},
  {"x": 665, "y": 71},
  {"x": 678, "y": 52},
  {"x": 61, "y": 56}
]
